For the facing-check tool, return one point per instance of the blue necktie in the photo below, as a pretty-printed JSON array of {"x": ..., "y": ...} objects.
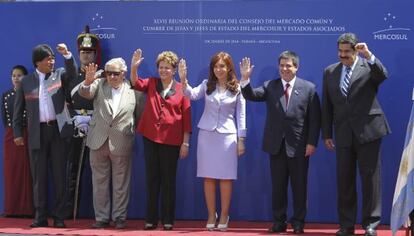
[{"x": 345, "y": 84}]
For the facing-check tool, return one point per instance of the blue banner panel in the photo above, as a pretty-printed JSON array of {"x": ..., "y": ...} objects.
[{"x": 260, "y": 30}]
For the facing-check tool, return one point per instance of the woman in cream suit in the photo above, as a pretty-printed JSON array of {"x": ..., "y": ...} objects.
[{"x": 222, "y": 126}]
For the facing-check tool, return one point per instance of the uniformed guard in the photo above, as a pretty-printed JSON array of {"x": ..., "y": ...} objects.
[{"x": 81, "y": 109}]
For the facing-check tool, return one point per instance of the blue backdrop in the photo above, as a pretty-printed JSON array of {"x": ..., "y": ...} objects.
[{"x": 258, "y": 29}]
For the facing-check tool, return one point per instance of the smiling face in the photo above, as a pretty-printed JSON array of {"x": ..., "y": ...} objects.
[
  {"x": 346, "y": 54},
  {"x": 221, "y": 70},
  {"x": 46, "y": 65},
  {"x": 165, "y": 70},
  {"x": 287, "y": 70},
  {"x": 114, "y": 75}
]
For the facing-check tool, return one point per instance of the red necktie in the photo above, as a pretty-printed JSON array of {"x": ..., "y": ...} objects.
[{"x": 287, "y": 94}]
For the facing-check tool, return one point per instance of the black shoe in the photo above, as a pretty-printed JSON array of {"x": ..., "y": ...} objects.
[
  {"x": 298, "y": 230},
  {"x": 59, "y": 224},
  {"x": 100, "y": 224},
  {"x": 120, "y": 224},
  {"x": 168, "y": 227},
  {"x": 370, "y": 232},
  {"x": 149, "y": 226},
  {"x": 277, "y": 228},
  {"x": 37, "y": 224},
  {"x": 345, "y": 232}
]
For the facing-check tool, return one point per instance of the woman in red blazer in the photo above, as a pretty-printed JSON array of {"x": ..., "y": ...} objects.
[{"x": 165, "y": 125}]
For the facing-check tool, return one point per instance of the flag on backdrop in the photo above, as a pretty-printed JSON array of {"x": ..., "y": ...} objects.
[{"x": 403, "y": 202}]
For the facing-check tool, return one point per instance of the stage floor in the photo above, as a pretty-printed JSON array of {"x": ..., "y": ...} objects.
[{"x": 135, "y": 227}]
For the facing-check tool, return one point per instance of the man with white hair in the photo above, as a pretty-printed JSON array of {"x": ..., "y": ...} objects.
[{"x": 111, "y": 139}]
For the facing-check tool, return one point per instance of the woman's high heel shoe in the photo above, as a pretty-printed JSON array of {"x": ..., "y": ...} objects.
[
  {"x": 210, "y": 227},
  {"x": 223, "y": 227}
]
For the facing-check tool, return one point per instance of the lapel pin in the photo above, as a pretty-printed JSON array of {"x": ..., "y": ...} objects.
[{"x": 296, "y": 92}]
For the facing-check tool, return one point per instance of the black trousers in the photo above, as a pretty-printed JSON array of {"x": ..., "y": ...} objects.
[
  {"x": 367, "y": 157},
  {"x": 161, "y": 168},
  {"x": 52, "y": 151},
  {"x": 74, "y": 152},
  {"x": 283, "y": 169}
]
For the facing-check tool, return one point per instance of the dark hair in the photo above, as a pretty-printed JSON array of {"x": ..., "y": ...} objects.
[
  {"x": 40, "y": 52},
  {"x": 290, "y": 55},
  {"x": 348, "y": 38},
  {"x": 21, "y": 68},
  {"x": 231, "y": 84}
]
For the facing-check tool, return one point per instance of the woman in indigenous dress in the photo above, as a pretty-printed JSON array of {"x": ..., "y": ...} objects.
[{"x": 18, "y": 200}]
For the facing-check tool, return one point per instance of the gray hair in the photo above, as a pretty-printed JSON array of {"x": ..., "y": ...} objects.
[{"x": 119, "y": 62}]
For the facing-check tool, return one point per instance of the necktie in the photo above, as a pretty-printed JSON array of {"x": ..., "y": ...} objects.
[
  {"x": 345, "y": 84},
  {"x": 287, "y": 94}
]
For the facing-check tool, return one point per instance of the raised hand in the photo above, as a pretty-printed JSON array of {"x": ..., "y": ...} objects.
[
  {"x": 246, "y": 68},
  {"x": 362, "y": 48},
  {"x": 136, "y": 58},
  {"x": 62, "y": 49},
  {"x": 182, "y": 71},
  {"x": 90, "y": 73}
]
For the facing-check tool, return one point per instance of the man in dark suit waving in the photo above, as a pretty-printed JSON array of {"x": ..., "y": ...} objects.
[
  {"x": 290, "y": 136},
  {"x": 350, "y": 108},
  {"x": 49, "y": 126}
]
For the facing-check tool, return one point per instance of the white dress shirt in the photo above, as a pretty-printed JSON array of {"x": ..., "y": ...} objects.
[
  {"x": 116, "y": 99},
  {"x": 289, "y": 91}
]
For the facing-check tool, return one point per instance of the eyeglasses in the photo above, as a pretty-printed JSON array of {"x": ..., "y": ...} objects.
[{"x": 112, "y": 73}]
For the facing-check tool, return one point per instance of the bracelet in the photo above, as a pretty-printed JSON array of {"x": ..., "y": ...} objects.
[{"x": 186, "y": 144}]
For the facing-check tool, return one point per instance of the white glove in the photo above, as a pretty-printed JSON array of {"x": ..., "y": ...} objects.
[
  {"x": 83, "y": 128},
  {"x": 81, "y": 125},
  {"x": 79, "y": 119}
]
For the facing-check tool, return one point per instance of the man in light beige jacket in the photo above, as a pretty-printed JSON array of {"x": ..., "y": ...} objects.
[{"x": 117, "y": 109}]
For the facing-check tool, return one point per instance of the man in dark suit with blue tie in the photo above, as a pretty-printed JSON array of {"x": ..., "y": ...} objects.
[
  {"x": 49, "y": 127},
  {"x": 290, "y": 136},
  {"x": 350, "y": 109}
]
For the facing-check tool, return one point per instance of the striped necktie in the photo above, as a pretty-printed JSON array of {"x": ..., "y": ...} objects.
[{"x": 345, "y": 83}]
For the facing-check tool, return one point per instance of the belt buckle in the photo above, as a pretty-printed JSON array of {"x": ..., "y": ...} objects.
[{"x": 49, "y": 122}]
